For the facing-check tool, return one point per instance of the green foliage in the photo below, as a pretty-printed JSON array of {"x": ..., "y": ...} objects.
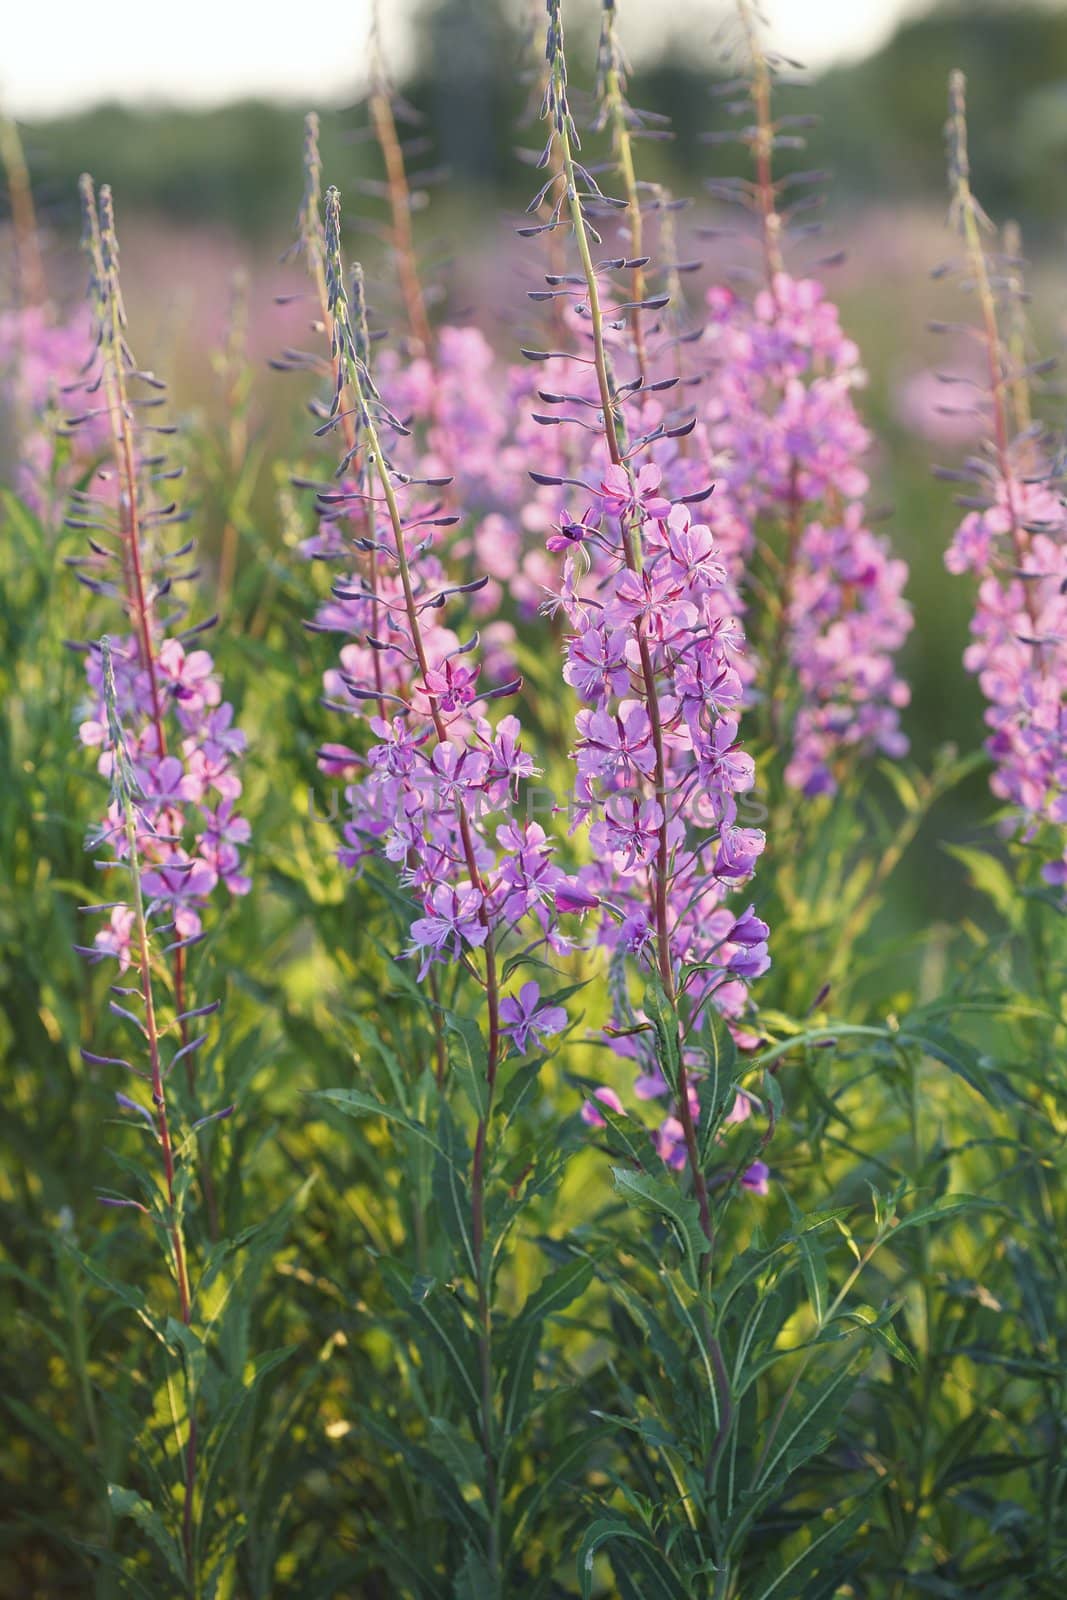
[{"x": 445, "y": 1340}]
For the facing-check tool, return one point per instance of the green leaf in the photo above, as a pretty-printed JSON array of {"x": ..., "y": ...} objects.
[
  {"x": 474, "y": 1581},
  {"x": 125, "y": 1503},
  {"x": 990, "y": 877},
  {"x": 661, "y": 1582},
  {"x": 218, "y": 1565},
  {"x": 232, "y": 1416},
  {"x": 558, "y": 1290},
  {"x": 462, "y": 1457},
  {"x": 436, "y": 1316},
  {"x": 450, "y": 1189},
  {"x": 184, "y": 1339},
  {"x": 469, "y": 1060},
  {"x": 961, "y": 1057},
  {"x": 425, "y": 1468},
  {"x": 568, "y": 1458},
  {"x": 812, "y": 1264},
  {"x": 950, "y": 1206},
  {"x": 370, "y": 1036},
  {"x": 519, "y": 1085},
  {"x": 625, "y": 1137},
  {"x": 664, "y": 1019},
  {"x": 716, "y": 1090},
  {"x": 794, "y": 1581},
  {"x": 130, "y": 1297},
  {"x": 520, "y": 1364},
  {"x": 806, "y": 1428},
  {"x": 354, "y": 1103},
  {"x": 666, "y": 1200},
  {"x": 883, "y": 1330}
]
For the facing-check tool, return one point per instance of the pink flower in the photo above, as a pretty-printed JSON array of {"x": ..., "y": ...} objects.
[
  {"x": 756, "y": 1178},
  {"x": 189, "y": 677},
  {"x": 453, "y": 684},
  {"x": 114, "y": 940},
  {"x": 570, "y": 896},
  {"x": 524, "y": 1017},
  {"x": 619, "y": 496},
  {"x": 455, "y": 919},
  {"x": 739, "y": 850},
  {"x": 607, "y": 1097}
]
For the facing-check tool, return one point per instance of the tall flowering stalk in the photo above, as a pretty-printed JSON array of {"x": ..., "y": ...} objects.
[
  {"x": 436, "y": 780},
  {"x": 129, "y": 827},
  {"x": 782, "y": 420},
  {"x": 1013, "y": 537},
  {"x": 653, "y": 655},
  {"x": 179, "y": 732},
  {"x": 169, "y": 747}
]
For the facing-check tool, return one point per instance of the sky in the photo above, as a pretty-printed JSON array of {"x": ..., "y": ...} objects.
[{"x": 63, "y": 55}]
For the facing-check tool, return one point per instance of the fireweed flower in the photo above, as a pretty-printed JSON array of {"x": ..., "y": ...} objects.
[
  {"x": 129, "y": 836},
  {"x": 178, "y": 733},
  {"x": 438, "y": 780},
  {"x": 41, "y": 355},
  {"x": 40, "y": 359},
  {"x": 1013, "y": 538},
  {"x": 780, "y": 415},
  {"x": 525, "y": 1017},
  {"x": 654, "y": 654},
  {"x": 592, "y": 1116}
]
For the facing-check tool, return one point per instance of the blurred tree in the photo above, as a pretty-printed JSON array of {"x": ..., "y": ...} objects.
[{"x": 880, "y": 129}]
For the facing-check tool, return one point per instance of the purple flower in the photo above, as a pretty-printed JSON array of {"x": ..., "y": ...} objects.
[
  {"x": 756, "y": 1178},
  {"x": 115, "y": 939},
  {"x": 570, "y": 896},
  {"x": 749, "y": 929},
  {"x": 739, "y": 850},
  {"x": 524, "y": 1017},
  {"x": 1023, "y": 683},
  {"x": 607, "y": 1097},
  {"x": 455, "y": 919},
  {"x": 596, "y": 664},
  {"x": 569, "y": 534},
  {"x": 619, "y": 496},
  {"x": 782, "y": 417}
]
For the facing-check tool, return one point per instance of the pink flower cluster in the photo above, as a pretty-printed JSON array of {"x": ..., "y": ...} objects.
[
  {"x": 437, "y": 786},
  {"x": 436, "y": 789},
  {"x": 178, "y": 733},
  {"x": 658, "y": 776},
  {"x": 1018, "y": 550},
  {"x": 469, "y": 419},
  {"x": 189, "y": 833},
  {"x": 40, "y": 357},
  {"x": 782, "y": 419}
]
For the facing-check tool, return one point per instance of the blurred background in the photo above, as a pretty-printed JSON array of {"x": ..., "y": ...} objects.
[{"x": 196, "y": 124}]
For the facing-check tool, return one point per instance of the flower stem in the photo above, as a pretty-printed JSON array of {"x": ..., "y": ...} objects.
[
  {"x": 632, "y": 555},
  {"x": 159, "y": 1106},
  {"x": 617, "y": 112},
  {"x": 403, "y": 241},
  {"x": 378, "y": 464},
  {"x": 104, "y": 248},
  {"x": 761, "y": 143},
  {"x": 969, "y": 216}
]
